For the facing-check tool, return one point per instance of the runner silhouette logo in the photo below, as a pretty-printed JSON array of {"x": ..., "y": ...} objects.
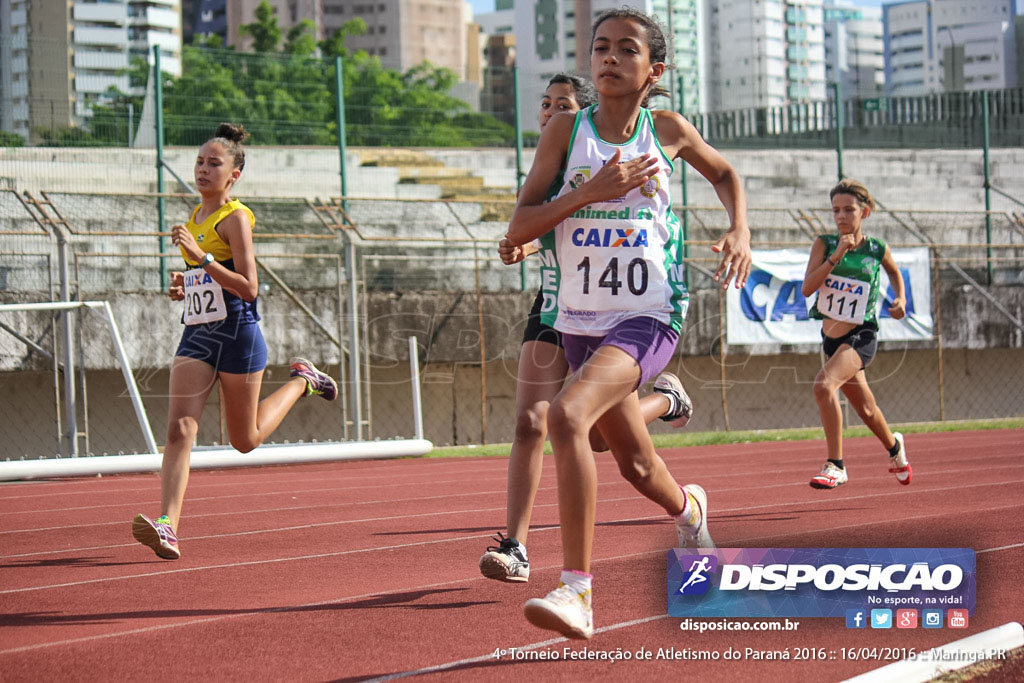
[{"x": 697, "y": 578}]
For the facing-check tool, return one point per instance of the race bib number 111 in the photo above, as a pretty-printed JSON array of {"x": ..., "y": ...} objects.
[{"x": 843, "y": 298}]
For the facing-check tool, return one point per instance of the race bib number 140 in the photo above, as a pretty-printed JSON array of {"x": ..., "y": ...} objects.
[
  {"x": 843, "y": 298},
  {"x": 204, "y": 298}
]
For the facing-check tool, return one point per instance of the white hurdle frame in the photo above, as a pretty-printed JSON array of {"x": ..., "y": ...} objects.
[
  {"x": 129, "y": 378},
  {"x": 212, "y": 458}
]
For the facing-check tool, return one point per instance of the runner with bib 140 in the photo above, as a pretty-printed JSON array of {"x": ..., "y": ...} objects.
[
  {"x": 843, "y": 270},
  {"x": 620, "y": 293}
]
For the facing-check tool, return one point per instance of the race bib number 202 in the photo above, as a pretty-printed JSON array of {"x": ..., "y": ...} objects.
[{"x": 204, "y": 298}]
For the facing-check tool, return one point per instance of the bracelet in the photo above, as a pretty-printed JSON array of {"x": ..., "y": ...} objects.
[{"x": 834, "y": 263}]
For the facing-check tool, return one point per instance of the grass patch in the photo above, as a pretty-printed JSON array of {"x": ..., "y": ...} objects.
[{"x": 683, "y": 439}]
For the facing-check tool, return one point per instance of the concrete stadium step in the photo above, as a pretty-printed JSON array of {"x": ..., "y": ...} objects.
[{"x": 386, "y": 156}]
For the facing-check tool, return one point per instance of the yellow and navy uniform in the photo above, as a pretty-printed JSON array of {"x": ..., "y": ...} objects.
[
  {"x": 234, "y": 344},
  {"x": 206, "y": 234},
  {"x": 210, "y": 241}
]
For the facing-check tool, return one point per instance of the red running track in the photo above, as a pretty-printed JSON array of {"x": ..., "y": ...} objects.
[{"x": 368, "y": 570}]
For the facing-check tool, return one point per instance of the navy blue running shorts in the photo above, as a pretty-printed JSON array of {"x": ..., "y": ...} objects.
[{"x": 232, "y": 346}]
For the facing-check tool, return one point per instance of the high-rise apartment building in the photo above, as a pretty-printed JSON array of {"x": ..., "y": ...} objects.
[
  {"x": 405, "y": 33},
  {"x": 553, "y": 36},
  {"x": 764, "y": 53},
  {"x": 854, "y": 52},
  {"x": 949, "y": 45},
  {"x": 60, "y": 56}
]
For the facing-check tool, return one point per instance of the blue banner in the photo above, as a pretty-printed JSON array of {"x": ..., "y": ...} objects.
[{"x": 817, "y": 582}]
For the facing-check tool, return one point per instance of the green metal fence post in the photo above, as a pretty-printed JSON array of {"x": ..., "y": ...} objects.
[
  {"x": 988, "y": 186},
  {"x": 339, "y": 84},
  {"x": 837, "y": 99},
  {"x": 519, "y": 156},
  {"x": 161, "y": 203},
  {"x": 680, "y": 86}
]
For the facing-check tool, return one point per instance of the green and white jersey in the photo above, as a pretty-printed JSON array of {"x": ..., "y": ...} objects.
[
  {"x": 850, "y": 291},
  {"x": 618, "y": 259}
]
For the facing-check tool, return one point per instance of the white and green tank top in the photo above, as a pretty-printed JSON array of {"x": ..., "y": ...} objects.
[
  {"x": 850, "y": 291},
  {"x": 618, "y": 259}
]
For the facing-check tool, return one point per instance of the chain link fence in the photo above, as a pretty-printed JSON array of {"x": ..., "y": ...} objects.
[
  {"x": 428, "y": 268},
  {"x": 389, "y": 231}
]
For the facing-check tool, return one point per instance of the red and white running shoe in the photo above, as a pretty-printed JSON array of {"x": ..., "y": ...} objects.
[
  {"x": 898, "y": 464},
  {"x": 829, "y": 477}
]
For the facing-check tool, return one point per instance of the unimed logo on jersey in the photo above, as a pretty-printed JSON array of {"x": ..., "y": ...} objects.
[{"x": 817, "y": 582}]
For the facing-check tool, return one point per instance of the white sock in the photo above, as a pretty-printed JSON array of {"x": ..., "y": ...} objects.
[{"x": 577, "y": 580}]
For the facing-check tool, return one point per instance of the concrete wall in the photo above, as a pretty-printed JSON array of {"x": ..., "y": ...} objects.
[
  {"x": 902, "y": 178},
  {"x": 982, "y": 369}
]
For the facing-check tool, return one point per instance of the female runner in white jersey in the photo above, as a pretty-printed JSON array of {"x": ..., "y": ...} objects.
[
  {"x": 539, "y": 378},
  {"x": 620, "y": 299}
]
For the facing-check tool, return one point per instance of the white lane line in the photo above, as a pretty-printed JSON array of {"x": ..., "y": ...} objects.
[
  {"x": 549, "y": 476},
  {"x": 616, "y": 483},
  {"x": 456, "y": 465},
  {"x": 289, "y": 608},
  {"x": 262, "y": 478},
  {"x": 739, "y": 543},
  {"x": 404, "y": 589}
]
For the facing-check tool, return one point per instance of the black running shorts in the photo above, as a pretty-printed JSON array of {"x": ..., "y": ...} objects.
[
  {"x": 863, "y": 339},
  {"x": 538, "y": 331}
]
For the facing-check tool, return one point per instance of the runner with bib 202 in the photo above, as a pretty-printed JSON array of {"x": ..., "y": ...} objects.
[
  {"x": 843, "y": 269},
  {"x": 221, "y": 340}
]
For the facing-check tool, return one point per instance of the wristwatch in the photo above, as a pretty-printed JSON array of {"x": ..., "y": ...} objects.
[{"x": 207, "y": 260}]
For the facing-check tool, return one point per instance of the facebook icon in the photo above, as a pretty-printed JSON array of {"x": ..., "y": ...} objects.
[{"x": 856, "y": 618}]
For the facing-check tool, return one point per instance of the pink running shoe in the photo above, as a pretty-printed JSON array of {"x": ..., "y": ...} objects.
[
  {"x": 318, "y": 383},
  {"x": 157, "y": 534}
]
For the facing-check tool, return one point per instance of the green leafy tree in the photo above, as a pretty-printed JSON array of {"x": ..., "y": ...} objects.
[
  {"x": 9, "y": 139},
  {"x": 285, "y": 94},
  {"x": 265, "y": 33},
  {"x": 334, "y": 46},
  {"x": 299, "y": 40}
]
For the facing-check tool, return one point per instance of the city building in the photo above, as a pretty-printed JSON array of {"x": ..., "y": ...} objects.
[
  {"x": 554, "y": 37},
  {"x": 854, "y": 49},
  {"x": 949, "y": 45},
  {"x": 405, "y": 33},
  {"x": 58, "y": 57},
  {"x": 764, "y": 53}
]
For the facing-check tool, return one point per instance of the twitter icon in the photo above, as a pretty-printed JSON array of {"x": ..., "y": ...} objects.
[{"x": 881, "y": 618}]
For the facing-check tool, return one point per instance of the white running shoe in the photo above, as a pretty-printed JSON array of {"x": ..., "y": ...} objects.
[
  {"x": 695, "y": 535},
  {"x": 681, "y": 408},
  {"x": 898, "y": 464},
  {"x": 829, "y": 477},
  {"x": 563, "y": 610}
]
